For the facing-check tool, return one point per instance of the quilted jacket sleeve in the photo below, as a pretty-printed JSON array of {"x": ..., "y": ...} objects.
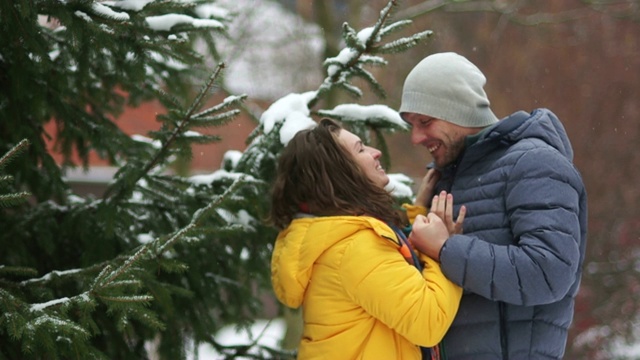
[
  {"x": 420, "y": 307},
  {"x": 540, "y": 225}
]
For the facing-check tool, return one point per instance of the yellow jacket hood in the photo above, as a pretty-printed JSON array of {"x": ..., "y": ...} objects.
[{"x": 298, "y": 247}]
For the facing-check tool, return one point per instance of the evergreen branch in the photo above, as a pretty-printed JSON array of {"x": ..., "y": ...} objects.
[
  {"x": 197, "y": 103},
  {"x": 201, "y": 213},
  {"x": 245, "y": 348},
  {"x": 5, "y": 179},
  {"x": 128, "y": 299},
  {"x": 45, "y": 279},
  {"x": 166, "y": 99},
  {"x": 384, "y": 16},
  {"x": 169, "y": 188},
  {"x": 102, "y": 275},
  {"x": 49, "y": 276},
  {"x": 215, "y": 120},
  {"x": 124, "y": 267},
  {"x": 352, "y": 89},
  {"x": 396, "y": 26},
  {"x": 12, "y": 323},
  {"x": 371, "y": 80},
  {"x": 179, "y": 129},
  {"x": 195, "y": 222},
  {"x": 10, "y": 200},
  {"x": 13, "y": 199},
  {"x": 235, "y": 351},
  {"x": 403, "y": 44},
  {"x": 247, "y": 111},
  {"x": 42, "y": 306},
  {"x": 158, "y": 194},
  {"x": 229, "y": 101},
  {"x": 351, "y": 38},
  {"x": 353, "y": 56},
  {"x": 15, "y": 151},
  {"x": 373, "y": 60},
  {"x": 125, "y": 283},
  {"x": 57, "y": 323},
  {"x": 200, "y": 138},
  {"x": 17, "y": 271}
]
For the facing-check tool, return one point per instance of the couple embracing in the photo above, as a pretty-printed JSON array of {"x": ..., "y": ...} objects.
[{"x": 491, "y": 275}]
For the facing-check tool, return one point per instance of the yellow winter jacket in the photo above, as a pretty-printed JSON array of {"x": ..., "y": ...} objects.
[{"x": 360, "y": 298}]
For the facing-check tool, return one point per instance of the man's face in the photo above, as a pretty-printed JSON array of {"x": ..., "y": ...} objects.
[{"x": 444, "y": 140}]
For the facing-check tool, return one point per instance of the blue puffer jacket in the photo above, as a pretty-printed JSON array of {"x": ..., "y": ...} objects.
[{"x": 520, "y": 258}]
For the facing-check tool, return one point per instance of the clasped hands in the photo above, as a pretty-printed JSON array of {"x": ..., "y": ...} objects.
[{"x": 431, "y": 232}]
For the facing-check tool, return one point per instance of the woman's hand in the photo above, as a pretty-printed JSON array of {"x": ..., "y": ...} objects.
[
  {"x": 429, "y": 235},
  {"x": 442, "y": 205},
  {"x": 427, "y": 187}
]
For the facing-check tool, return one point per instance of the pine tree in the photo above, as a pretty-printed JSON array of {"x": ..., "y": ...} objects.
[{"x": 160, "y": 260}]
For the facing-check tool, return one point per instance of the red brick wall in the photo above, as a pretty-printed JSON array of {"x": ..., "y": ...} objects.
[{"x": 142, "y": 119}]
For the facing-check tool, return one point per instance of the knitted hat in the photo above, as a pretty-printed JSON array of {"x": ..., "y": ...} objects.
[{"x": 447, "y": 86}]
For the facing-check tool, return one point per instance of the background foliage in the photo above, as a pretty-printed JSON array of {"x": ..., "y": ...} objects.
[{"x": 160, "y": 262}]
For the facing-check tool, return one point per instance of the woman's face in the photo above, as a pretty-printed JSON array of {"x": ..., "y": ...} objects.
[{"x": 366, "y": 157}]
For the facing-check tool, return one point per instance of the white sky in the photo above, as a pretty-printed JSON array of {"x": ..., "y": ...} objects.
[{"x": 273, "y": 52}]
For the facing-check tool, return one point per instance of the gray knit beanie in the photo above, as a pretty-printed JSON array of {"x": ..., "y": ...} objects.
[{"x": 447, "y": 86}]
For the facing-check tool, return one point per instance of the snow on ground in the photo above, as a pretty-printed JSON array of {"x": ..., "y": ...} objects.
[{"x": 264, "y": 332}]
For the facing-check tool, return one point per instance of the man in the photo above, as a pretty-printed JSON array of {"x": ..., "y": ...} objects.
[{"x": 520, "y": 256}]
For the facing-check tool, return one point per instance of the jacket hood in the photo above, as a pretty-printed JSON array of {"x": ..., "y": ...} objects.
[
  {"x": 540, "y": 124},
  {"x": 299, "y": 246}
]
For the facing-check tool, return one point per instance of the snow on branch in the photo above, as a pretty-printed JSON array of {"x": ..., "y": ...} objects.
[
  {"x": 292, "y": 111},
  {"x": 363, "y": 113},
  {"x": 168, "y": 21}
]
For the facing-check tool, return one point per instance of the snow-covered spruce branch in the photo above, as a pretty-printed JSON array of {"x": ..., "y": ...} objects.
[
  {"x": 363, "y": 48},
  {"x": 12, "y": 199},
  {"x": 177, "y": 131},
  {"x": 339, "y": 67},
  {"x": 129, "y": 299},
  {"x": 205, "y": 117},
  {"x": 159, "y": 246},
  {"x": 106, "y": 266},
  {"x": 197, "y": 103},
  {"x": 185, "y": 121},
  {"x": 13, "y": 153}
]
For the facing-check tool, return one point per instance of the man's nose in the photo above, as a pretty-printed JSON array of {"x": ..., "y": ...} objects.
[{"x": 417, "y": 136}]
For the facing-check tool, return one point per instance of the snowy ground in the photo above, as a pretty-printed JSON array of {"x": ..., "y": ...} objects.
[{"x": 267, "y": 332}]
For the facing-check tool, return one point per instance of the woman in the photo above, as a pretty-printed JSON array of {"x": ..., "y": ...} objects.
[{"x": 338, "y": 254}]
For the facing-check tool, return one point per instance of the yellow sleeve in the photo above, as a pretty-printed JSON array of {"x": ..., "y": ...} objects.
[
  {"x": 420, "y": 307},
  {"x": 414, "y": 210}
]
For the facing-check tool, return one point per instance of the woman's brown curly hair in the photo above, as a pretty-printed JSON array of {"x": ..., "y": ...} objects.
[{"x": 319, "y": 175}]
